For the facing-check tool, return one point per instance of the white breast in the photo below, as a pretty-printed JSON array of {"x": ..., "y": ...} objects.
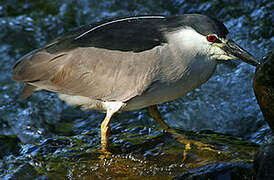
[{"x": 185, "y": 66}]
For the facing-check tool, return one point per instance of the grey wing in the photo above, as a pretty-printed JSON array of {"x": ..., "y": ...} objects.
[
  {"x": 111, "y": 61},
  {"x": 91, "y": 72}
]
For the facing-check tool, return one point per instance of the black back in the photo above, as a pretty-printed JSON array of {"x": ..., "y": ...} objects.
[{"x": 135, "y": 34}]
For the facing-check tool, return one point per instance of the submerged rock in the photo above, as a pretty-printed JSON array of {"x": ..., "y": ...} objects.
[
  {"x": 264, "y": 161},
  {"x": 219, "y": 171},
  {"x": 138, "y": 156},
  {"x": 9, "y": 145},
  {"x": 26, "y": 172}
]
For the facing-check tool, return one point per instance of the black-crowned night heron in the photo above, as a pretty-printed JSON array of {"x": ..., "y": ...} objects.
[{"x": 129, "y": 63}]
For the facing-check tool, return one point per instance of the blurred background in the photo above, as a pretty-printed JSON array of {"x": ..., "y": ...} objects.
[{"x": 225, "y": 104}]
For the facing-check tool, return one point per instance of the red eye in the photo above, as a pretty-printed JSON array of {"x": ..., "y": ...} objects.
[{"x": 211, "y": 38}]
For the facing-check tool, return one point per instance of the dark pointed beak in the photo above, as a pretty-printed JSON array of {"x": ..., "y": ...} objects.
[{"x": 235, "y": 51}]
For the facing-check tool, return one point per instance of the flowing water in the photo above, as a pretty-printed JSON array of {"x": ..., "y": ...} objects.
[{"x": 62, "y": 141}]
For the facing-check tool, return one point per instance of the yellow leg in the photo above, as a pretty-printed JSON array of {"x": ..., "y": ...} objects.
[
  {"x": 105, "y": 129},
  {"x": 112, "y": 108},
  {"x": 155, "y": 114}
]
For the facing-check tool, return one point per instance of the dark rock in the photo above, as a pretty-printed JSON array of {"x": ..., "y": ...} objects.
[
  {"x": 219, "y": 171},
  {"x": 263, "y": 86},
  {"x": 26, "y": 172},
  {"x": 264, "y": 161},
  {"x": 9, "y": 145}
]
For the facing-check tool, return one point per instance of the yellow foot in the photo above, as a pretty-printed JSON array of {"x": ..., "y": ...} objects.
[
  {"x": 190, "y": 144},
  {"x": 104, "y": 154}
]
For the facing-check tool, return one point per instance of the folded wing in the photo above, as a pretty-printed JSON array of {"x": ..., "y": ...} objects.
[{"x": 110, "y": 61}]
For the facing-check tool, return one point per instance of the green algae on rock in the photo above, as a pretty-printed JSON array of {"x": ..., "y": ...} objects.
[{"x": 158, "y": 156}]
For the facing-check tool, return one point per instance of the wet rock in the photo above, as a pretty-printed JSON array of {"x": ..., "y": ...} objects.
[
  {"x": 9, "y": 145},
  {"x": 264, "y": 89},
  {"x": 264, "y": 161},
  {"x": 263, "y": 85},
  {"x": 26, "y": 172},
  {"x": 219, "y": 171},
  {"x": 138, "y": 156}
]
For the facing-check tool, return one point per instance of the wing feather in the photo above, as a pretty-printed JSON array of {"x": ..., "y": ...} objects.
[
  {"x": 91, "y": 72},
  {"x": 114, "y": 62}
]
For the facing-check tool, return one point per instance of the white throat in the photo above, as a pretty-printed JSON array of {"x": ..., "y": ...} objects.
[{"x": 190, "y": 42}]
